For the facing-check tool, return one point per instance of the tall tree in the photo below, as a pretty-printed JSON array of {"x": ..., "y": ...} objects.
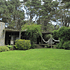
[
  {"x": 47, "y": 12},
  {"x": 62, "y": 13},
  {"x": 43, "y": 9},
  {"x": 12, "y": 14},
  {"x": 34, "y": 7}
]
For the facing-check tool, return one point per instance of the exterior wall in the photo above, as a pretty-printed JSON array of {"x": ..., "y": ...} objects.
[{"x": 2, "y": 35}]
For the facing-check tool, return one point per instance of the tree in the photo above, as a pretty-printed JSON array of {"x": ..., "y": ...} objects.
[
  {"x": 34, "y": 7},
  {"x": 32, "y": 31},
  {"x": 4, "y": 12},
  {"x": 44, "y": 12},
  {"x": 12, "y": 14},
  {"x": 62, "y": 13}
]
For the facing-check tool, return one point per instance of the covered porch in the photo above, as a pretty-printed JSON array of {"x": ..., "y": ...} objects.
[{"x": 12, "y": 35}]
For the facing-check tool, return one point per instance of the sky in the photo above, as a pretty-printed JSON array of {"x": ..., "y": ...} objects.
[{"x": 21, "y": 0}]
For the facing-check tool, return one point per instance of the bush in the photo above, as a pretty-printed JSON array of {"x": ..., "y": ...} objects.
[
  {"x": 33, "y": 46},
  {"x": 3, "y": 48},
  {"x": 55, "y": 34},
  {"x": 10, "y": 47},
  {"x": 22, "y": 44},
  {"x": 63, "y": 34},
  {"x": 59, "y": 46},
  {"x": 66, "y": 45}
]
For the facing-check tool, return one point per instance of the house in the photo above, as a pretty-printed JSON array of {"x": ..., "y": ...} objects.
[{"x": 8, "y": 36}]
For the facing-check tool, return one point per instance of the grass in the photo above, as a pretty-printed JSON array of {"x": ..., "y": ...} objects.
[{"x": 35, "y": 59}]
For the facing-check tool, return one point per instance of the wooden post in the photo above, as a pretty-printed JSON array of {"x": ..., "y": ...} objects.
[{"x": 51, "y": 41}]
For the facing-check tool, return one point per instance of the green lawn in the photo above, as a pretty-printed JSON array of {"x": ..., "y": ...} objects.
[{"x": 35, "y": 59}]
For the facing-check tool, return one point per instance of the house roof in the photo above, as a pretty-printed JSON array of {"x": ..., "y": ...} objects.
[
  {"x": 12, "y": 30},
  {"x": 47, "y": 32}
]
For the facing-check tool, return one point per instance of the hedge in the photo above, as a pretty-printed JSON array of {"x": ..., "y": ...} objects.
[
  {"x": 4, "y": 48},
  {"x": 22, "y": 44}
]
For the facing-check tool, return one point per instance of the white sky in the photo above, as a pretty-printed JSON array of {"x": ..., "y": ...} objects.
[{"x": 20, "y": 0}]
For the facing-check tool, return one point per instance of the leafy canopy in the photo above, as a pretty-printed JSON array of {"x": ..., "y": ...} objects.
[
  {"x": 63, "y": 33},
  {"x": 32, "y": 31},
  {"x": 33, "y": 28}
]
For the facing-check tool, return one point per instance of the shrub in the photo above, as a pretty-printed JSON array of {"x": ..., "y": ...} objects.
[
  {"x": 55, "y": 34},
  {"x": 22, "y": 44},
  {"x": 63, "y": 34},
  {"x": 66, "y": 45},
  {"x": 33, "y": 46},
  {"x": 3, "y": 48},
  {"x": 59, "y": 46},
  {"x": 10, "y": 47}
]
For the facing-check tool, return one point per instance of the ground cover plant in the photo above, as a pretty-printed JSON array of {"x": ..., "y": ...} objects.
[
  {"x": 4, "y": 48},
  {"x": 35, "y": 59},
  {"x": 10, "y": 47}
]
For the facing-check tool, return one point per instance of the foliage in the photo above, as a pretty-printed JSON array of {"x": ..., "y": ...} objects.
[
  {"x": 11, "y": 14},
  {"x": 33, "y": 31},
  {"x": 63, "y": 12},
  {"x": 46, "y": 46},
  {"x": 59, "y": 46},
  {"x": 63, "y": 34},
  {"x": 63, "y": 45},
  {"x": 22, "y": 44},
  {"x": 3, "y": 48},
  {"x": 43, "y": 10},
  {"x": 33, "y": 46},
  {"x": 47, "y": 36},
  {"x": 33, "y": 27},
  {"x": 55, "y": 34},
  {"x": 66, "y": 45},
  {"x": 10, "y": 47},
  {"x": 50, "y": 27},
  {"x": 34, "y": 7}
]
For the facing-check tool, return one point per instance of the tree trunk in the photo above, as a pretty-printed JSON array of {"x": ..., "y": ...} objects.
[{"x": 20, "y": 34}]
